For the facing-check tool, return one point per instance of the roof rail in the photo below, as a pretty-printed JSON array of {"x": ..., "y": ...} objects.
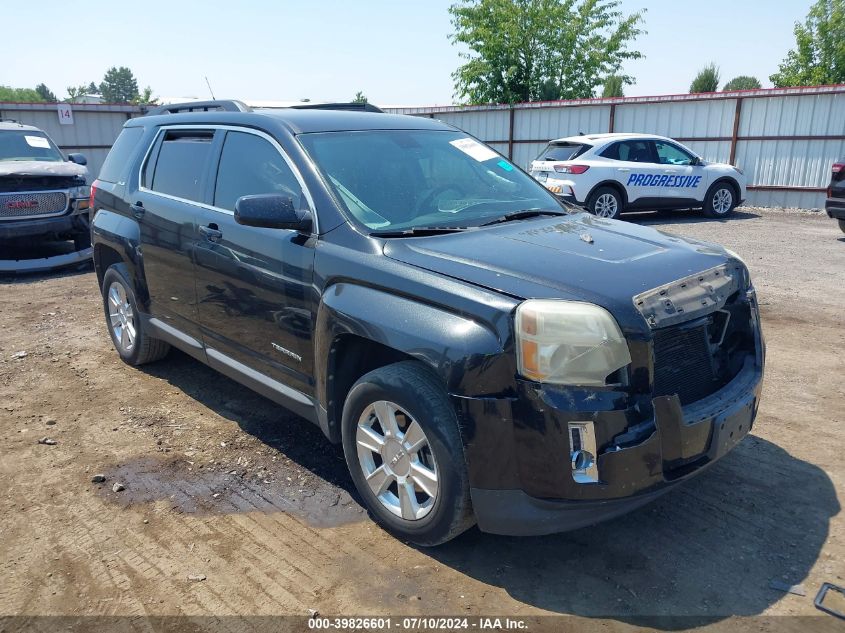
[
  {"x": 356, "y": 107},
  {"x": 226, "y": 105}
]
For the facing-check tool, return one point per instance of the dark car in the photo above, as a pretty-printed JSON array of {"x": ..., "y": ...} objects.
[
  {"x": 43, "y": 194},
  {"x": 835, "y": 203},
  {"x": 482, "y": 354}
]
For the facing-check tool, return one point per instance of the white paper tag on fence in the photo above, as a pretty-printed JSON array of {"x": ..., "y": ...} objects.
[
  {"x": 65, "y": 114},
  {"x": 473, "y": 148}
]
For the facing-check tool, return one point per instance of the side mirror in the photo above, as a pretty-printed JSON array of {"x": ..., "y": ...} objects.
[
  {"x": 79, "y": 159},
  {"x": 696, "y": 161},
  {"x": 272, "y": 211}
]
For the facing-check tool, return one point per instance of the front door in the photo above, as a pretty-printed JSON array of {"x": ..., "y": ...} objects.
[
  {"x": 681, "y": 181},
  {"x": 253, "y": 284},
  {"x": 166, "y": 204}
]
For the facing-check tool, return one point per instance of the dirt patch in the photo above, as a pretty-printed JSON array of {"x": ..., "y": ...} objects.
[{"x": 284, "y": 534}]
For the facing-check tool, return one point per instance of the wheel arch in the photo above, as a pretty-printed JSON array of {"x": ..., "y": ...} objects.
[
  {"x": 352, "y": 338},
  {"x": 613, "y": 184},
  {"x": 725, "y": 179}
]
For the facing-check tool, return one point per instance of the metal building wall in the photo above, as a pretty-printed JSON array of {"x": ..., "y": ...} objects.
[
  {"x": 94, "y": 129},
  {"x": 784, "y": 139}
]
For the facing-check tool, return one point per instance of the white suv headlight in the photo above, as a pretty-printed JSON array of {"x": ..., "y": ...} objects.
[{"x": 568, "y": 343}]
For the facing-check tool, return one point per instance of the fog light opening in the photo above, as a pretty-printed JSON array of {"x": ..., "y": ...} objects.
[{"x": 582, "y": 454}]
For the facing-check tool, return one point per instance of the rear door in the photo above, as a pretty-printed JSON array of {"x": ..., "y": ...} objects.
[
  {"x": 254, "y": 284},
  {"x": 633, "y": 164},
  {"x": 169, "y": 199},
  {"x": 680, "y": 180}
]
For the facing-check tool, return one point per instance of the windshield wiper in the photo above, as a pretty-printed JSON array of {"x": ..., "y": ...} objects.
[
  {"x": 522, "y": 215},
  {"x": 420, "y": 230}
]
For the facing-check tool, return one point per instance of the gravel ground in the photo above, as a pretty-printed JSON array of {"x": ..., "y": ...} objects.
[{"x": 232, "y": 506}]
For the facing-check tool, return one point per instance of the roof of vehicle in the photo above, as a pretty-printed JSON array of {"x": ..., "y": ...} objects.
[
  {"x": 606, "y": 136},
  {"x": 300, "y": 121},
  {"x": 14, "y": 125}
]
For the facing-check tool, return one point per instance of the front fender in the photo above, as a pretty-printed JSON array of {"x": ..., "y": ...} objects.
[{"x": 467, "y": 354}]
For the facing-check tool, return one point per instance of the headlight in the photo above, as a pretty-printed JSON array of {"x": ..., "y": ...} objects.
[
  {"x": 80, "y": 192},
  {"x": 568, "y": 343}
]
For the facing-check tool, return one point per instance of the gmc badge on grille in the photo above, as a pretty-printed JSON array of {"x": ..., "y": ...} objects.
[{"x": 22, "y": 204}]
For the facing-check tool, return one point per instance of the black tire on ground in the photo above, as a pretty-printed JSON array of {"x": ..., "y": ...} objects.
[
  {"x": 599, "y": 198},
  {"x": 717, "y": 193},
  {"x": 415, "y": 390},
  {"x": 145, "y": 349},
  {"x": 842, "y": 225}
]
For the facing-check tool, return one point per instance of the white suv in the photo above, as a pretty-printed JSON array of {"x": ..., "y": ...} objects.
[{"x": 612, "y": 173}]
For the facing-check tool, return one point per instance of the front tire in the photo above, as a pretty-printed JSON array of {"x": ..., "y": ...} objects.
[
  {"x": 720, "y": 200},
  {"x": 123, "y": 320},
  {"x": 405, "y": 455},
  {"x": 605, "y": 202}
]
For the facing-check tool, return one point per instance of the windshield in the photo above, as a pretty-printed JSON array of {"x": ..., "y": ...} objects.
[
  {"x": 406, "y": 179},
  {"x": 27, "y": 145}
]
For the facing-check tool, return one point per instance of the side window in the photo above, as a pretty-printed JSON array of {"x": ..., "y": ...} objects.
[
  {"x": 669, "y": 154},
  {"x": 632, "y": 151},
  {"x": 120, "y": 154},
  {"x": 182, "y": 163},
  {"x": 250, "y": 165}
]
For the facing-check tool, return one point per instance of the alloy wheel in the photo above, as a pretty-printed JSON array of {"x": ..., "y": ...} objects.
[
  {"x": 722, "y": 201},
  {"x": 397, "y": 461},
  {"x": 606, "y": 206},
  {"x": 121, "y": 317}
]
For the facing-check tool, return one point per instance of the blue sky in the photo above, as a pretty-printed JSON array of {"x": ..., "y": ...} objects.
[{"x": 397, "y": 51}]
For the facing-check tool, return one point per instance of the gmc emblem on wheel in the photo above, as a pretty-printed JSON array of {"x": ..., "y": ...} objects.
[{"x": 22, "y": 204}]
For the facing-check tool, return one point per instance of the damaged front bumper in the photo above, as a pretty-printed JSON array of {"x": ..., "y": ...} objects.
[{"x": 524, "y": 482}]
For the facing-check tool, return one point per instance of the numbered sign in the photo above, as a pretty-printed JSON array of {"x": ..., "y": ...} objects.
[{"x": 65, "y": 114}]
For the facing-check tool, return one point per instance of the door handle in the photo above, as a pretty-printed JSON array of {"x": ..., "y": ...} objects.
[
  {"x": 624, "y": 169},
  {"x": 211, "y": 232},
  {"x": 138, "y": 210}
]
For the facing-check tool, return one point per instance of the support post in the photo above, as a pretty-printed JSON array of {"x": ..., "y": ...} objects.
[{"x": 735, "y": 135}]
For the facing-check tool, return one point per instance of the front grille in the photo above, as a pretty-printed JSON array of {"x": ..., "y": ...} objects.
[
  {"x": 17, "y": 184},
  {"x": 683, "y": 363},
  {"x": 27, "y": 205}
]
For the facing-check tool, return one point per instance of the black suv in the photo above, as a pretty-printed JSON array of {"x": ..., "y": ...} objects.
[
  {"x": 835, "y": 203},
  {"x": 43, "y": 195},
  {"x": 482, "y": 353}
]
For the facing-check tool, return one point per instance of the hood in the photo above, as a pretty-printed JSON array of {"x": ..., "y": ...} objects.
[
  {"x": 36, "y": 168},
  {"x": 578, "y": 257}
]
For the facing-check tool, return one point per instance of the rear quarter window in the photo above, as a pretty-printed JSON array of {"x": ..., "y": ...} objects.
[
  {"x": 117, "y": 162},
  {"x": 181, "y": 164}
]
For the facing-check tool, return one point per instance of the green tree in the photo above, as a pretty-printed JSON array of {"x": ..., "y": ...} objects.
[
  {"x": 45, "y": 93},
  {"x": 819, "y": 54},
  {"x": 19, "y": 95},
  {"x": 742, "y": 82},
  {"x": 614, "y": 86},
  {"x": 529, "y": 50},
  {"x": 75, "y": 91},
  {"x": 707, "y": 80},
  {"x": 119, "y": 86},
  {"x": 145, "y": 98},
  {"x": 92, "y": 89},
  {"x": 360, "y": 97}
]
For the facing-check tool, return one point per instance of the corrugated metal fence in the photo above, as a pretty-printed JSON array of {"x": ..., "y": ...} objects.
[
  {"x": 784, "y": 139},
  {"x": 92, "y": 133}
]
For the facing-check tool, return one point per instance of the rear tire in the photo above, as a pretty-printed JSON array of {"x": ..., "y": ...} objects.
[
  {"x": 123, "y": 320},
  {"x": 605, "y": 202},
  {"x": 720, "y": 200},
  {"x": 405, "y": 455},
  {"x": 842, "y": 225}
]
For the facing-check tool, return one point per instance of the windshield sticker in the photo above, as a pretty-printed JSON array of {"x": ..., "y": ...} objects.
[
  {"x": 474, "y": 149},
  {"x": 505, "y": 165},
  {"x": 37, "y": 141},
  {"x": 658, "y": 180}
]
